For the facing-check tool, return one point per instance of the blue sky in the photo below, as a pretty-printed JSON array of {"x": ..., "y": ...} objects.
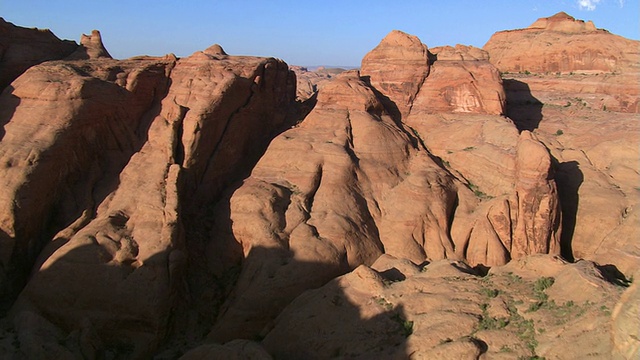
[{"x": 300, "y": 32}]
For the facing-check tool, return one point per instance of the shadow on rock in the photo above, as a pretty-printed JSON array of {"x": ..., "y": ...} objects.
[
  {"x": 83, "y": 305},
  {"x": 522, "y": 107},
  {"x": 568, "y": 177},
  {"x": 8, "y": 105},
  {"x": 611, "y": 273},
  {"x": 328, "y": 322}
]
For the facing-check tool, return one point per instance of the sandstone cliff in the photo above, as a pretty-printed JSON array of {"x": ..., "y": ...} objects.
[
  {"x": 100, "y": 157},
  {"x": 562, "y": 43}
]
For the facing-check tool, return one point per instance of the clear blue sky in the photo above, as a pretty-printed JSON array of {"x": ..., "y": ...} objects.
[{"x": 308, "y": 33}]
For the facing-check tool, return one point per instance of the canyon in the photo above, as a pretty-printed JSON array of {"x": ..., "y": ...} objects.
[{"x": 436, "y": 203}]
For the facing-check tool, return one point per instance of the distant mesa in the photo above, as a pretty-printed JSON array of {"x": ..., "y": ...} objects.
[
  {"x": 561, "y": 43},
  {"x": 563, "y": 22}
]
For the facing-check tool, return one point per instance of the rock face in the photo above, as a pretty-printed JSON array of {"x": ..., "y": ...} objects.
[
  {"x": 164, "y": 207},
  {"x": 461, "y": 81},
  {"x": 117, "y": 155},
  {"x": 21, "y": 48},
  {"x": 595, "y": 178},
  {"x": 61, "y": 141},
  {"x": 443, "y": 311},
  {"x": 626, "y": 325},
  {"x": 339, "y": 200},
  {"x": 91, "y": 47},
  {"x": 397, "y": 67},
  {"x": 562, "y": 44}
]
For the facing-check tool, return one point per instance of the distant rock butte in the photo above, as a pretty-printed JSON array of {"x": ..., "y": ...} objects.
[
  {"x": 563, "y": 22},
  {"x": 562, "y": 44},
  {"x": 408, "y": 76}
]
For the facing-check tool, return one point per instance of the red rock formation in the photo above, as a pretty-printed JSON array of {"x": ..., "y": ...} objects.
[
  {"x": 340, "y": 198},
  {"x": 67, "y": 135},
  {"x": 461, "y": 81},
  {"x": 458, "y": 80},
  {"x": 562, "y": 44},
  {"x": 121, "y": 262},
  {"x": 21, "y": 48},
  {"x": 91, "y": 47},
  {"x": 121, "y": 189},
  {"x": 397, "y": 67}
]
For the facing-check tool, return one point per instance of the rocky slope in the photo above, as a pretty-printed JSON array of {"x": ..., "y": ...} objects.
[
  {"x": 571, "y": 60},
  {"x": 597, "y": 165},
  {"x": 200, "y": 207}
]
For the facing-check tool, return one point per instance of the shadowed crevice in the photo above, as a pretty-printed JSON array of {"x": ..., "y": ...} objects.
[
  {"x": 568, "y": 178},
  {"x": 522, "y": 107}
]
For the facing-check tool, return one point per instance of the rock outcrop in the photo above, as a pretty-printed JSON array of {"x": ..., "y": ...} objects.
[
  {"x": 116, "y": 159},
  {"x": 443, "y": 311},
  {"x": 397, "y": 67},
  {"x": 201, "y": 207},
  {"x": 21, "y": 48},
  {"x": 461, "y": 80},
  {"x": 339, "y": 200},
  {"x": 91, "y": 47},
  {"x": 561, "y": 43},
  {"x": 67, "y": 136},
  {"x": 571, "y": 62}
]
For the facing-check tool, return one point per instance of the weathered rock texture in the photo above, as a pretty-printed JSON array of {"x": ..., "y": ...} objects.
[
  {"x": 21, "y": 48},
  {"x": 397, "y": 67},
  {"x": 562, "y": 44},
  {"x": 108, "y": 154},
  {"x": 339, "y": 199},
  {"x": 70, "y": 128},
  {"x": 395, "y": 310},
  {"x": 153, "y": 204},
  {"x": 597, "y": 172},
  {"x": 91, "y": 47},
  {"x": 625, "y": 323}
]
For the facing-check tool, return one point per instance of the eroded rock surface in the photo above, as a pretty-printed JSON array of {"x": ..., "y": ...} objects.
[
  {"x": 150, "y": 149},
  {"x": 444, "y": 311},
  {"x": 168, "y": 207},
  {"x": 561, "y": 43},
  {"x": 21, "y": 48},
  {"x": 397, "y": 67},
  {"x": 340, "y": 199}
]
